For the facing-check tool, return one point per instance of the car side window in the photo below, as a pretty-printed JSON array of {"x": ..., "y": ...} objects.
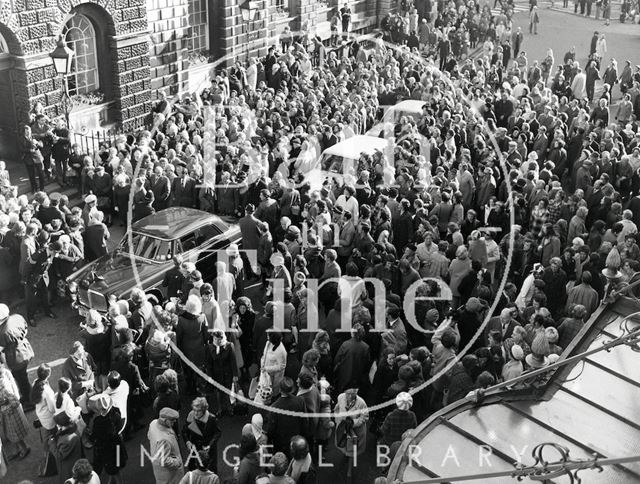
[
  {"x": 203, "y": 234},
  {"x": 188, "y": 242},
  {"x": 198, "y": 237}
]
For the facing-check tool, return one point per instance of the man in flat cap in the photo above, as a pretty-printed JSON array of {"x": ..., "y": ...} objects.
[{"x": 167, "y": 462}]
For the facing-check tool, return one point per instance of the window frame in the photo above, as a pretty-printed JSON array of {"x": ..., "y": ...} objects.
[{"x": 88, "y": 34}]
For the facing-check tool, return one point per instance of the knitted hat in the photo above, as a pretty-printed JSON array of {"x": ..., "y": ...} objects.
[
  {"x": 404, "y": 401},
  {"x": 539, "y": 352},
  {"x": 517, "y": 352}
]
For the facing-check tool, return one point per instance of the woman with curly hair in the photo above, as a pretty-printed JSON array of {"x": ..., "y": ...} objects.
[{"x": 321, "y": 343}]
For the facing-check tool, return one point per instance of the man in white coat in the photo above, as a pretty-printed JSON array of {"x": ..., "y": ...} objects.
[{"x": 167, "y": 462}]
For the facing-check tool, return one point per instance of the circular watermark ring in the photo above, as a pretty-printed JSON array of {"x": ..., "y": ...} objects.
[{"x": 380, "y": 44}]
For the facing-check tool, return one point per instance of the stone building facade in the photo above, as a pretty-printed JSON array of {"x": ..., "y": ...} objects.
[{"x": 129, "y": 50}]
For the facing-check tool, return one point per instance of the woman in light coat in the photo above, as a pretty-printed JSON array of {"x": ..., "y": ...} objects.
[
  {"x": 274, "y": 361},
  {"x": 349, "y": 401}
]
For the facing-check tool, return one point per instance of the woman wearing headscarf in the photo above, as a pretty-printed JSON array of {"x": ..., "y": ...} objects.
[
  {"x": 351, "y": 431},
  {"x": 224, "y": 286},
  {"x": 236, "y": 268},
  {"x": 14, "y": 426},
  {"x": 96, "y": 236},
  {"x": 399, "y": 420},
  {"x": 211, "y": 309},
  {"x": 109, "y": 452},
  {"x": 65, "y": 444},
  {"x": 191, "y": 337},
  {"x": 202, "y": 433},
  {"x": 274, "y": 361},
  {"x": 222, "y": 367},
  {"x": 245, "y": 318},
  {"x": 256, "y": 428},
  {"x": 97, "y": 339},
  {"x": 513, "y": 368},
  {"x": 458, "y": 268}
]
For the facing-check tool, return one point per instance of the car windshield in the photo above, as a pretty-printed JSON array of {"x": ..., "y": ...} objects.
[
  {"x": 336, "y": 164},
  {"x": 411, "y": 115},
  {"x": 147, "y": 247}
]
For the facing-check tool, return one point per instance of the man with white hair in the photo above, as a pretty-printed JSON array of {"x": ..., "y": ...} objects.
[
  {"x": 504, "y": 323},
  {"x": 628, "y": 227},
  {"x": 161, "y": 188}
]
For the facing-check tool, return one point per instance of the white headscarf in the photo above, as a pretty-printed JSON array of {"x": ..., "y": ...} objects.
[{"x": 404, "y": 401}]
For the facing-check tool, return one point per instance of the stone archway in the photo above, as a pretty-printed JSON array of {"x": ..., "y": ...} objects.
[{"x": 9, "y": 49}]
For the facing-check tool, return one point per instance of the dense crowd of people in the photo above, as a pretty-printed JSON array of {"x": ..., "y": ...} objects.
[{"x": 509, "y": 158}]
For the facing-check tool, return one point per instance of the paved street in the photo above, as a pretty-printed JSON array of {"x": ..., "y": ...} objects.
[{"x": 559, "y": 29}]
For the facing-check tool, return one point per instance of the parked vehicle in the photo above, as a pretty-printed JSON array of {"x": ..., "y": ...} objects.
[
  {"x": 411, "y": 108},
  {"x": 146, "y": 253},
  {"x": 340, "y": 161}
]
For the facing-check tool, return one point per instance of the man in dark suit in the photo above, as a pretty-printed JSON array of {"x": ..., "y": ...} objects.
[
  {"x": 268, "y": 210},
  {"x": 161, "y": 189},
  {"x": 183, "y": 188},
  {"x": 504, "y": 323},
  {"x": 541, "y": 143},
  {"x": 308, "y": 391},
  {"x": 249, "y": 229},
  {"x": 403, "y": 227},
  {"x": 281, "y": 427}
]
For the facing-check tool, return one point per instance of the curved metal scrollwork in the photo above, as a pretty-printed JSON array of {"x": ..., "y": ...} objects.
[{"x": 544, "y": 469}]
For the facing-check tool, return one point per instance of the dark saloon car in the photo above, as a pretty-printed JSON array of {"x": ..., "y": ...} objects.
[{"x": 146, "y": 253}]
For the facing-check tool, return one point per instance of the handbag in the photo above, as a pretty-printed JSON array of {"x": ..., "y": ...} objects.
[
  {"x": 48, "y": 467},
  {"x": 253, "y": 387},
  {"x": 373, "y": 370},
  {"x": 232, "y": 397},
  {"x": 24, "y": 351},
  {"x": 264, "y": 391},
  {"x": 240, "y": 407},
  {"x": 104, "y": 202}
]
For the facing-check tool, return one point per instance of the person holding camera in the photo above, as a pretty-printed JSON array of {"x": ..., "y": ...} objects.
[{"x": 32, "y": 159}]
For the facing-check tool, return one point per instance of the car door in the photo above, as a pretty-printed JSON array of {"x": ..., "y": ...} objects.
[{"x": 200, "y": 248}]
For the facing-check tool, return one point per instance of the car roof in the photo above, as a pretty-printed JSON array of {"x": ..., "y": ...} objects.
[
  {"x": 352, "y": 147},
  {"x": 175, "y": 222},
  {"x": 408, "y": 106}
]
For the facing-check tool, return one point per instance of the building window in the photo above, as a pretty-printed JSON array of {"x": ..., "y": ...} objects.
[
  {"x": 198, "y": 41},
  {"x": 81, "y": 38}
]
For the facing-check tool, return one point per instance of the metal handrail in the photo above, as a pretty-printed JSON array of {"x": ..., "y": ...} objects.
[
  {"x": 542, "y": 472},
  {"x": 632, "y": 338}
]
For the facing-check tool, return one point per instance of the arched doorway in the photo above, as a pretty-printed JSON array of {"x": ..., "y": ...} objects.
[{"x": 8, "y": 119}]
